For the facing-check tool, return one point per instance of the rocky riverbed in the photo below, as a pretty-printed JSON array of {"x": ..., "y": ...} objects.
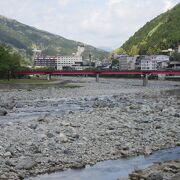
[
  {"x": 115, "y": 118},
  {"x": 159, "y": 171}
]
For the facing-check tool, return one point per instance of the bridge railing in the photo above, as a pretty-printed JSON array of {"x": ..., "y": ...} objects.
[{"x": 105, "y": 72}]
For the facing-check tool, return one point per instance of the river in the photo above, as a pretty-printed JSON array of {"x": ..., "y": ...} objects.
[
  {"x": 97, "y": 122},
  {"x": 113, "y": 169}
]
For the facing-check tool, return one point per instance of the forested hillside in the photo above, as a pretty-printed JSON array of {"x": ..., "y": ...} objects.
[
  {"x": 161, "y": 33},
  {"x": 25, "y": 38}
]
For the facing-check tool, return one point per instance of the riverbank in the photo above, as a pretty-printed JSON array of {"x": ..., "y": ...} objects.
[
  {"x": 27, "y": 81},
  {"x": 159, "y": 171},
  {"x": 118, "y": 118}
]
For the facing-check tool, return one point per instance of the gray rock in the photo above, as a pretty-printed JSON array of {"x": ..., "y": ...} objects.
[
  {"x": 134, "y": 106},
  {"x": 63, "y": 138},
  {"x": 25, "y": 163},
  {"x": 42, "y": 136},
  {"x": 33, "y": 126},
  {"x": 124, "y": 153},
  {"x": 2, "y": 150},
  {"x": 3, "y": 177},
  {"x": 155, "y": 176},
  {"x": 169, "y": 110},
  {"x": 177, "y": 115},
  {"x": 147, "y": 150},
  {"x": 176, "y": 177},
  {"x": 34, "y": 148},
  {"x": 7, "y": 154},
  {"x": 10, "y": 163},
  {"x": 42, "y": 117},
  {"x": 19, "y": 105},
  {"x": 3, "y": 112},
  {"x": 71, "y": 132},
  {"x": 50, "y": 135},
  {"x": 67, "y": 152},
  {"x": 145, "y": 108},
  {"x": 12, "y": 149}
]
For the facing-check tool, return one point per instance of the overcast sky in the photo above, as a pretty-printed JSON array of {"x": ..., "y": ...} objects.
[{"x": 102, "y": 23}]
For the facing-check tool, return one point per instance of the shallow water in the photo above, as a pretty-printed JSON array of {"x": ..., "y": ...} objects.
[
  {"x": 54, "y": 107},
  {"x": 63, "y": 106},
  {"x": 49, "y": 107},
  {"x": 175, "y": 92},
  {"x": 113, "y": 169}
]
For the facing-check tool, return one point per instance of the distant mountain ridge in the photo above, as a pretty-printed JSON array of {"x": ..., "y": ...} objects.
[
  {"x": 161, "y": 33},
  {"x": 26, "y": 38}
]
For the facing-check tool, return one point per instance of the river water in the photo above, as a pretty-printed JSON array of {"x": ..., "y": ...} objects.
[
  {"x": 63, "y": 106},
  {"x": 113, "y": 169}
]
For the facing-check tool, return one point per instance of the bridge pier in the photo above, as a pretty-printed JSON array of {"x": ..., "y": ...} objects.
[
  {"x": 48, "y": 77},
  {"x": 145, "y": 80},
  {"x": 97, "y": 78}
]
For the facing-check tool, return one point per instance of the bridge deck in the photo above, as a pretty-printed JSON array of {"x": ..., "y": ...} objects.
[{"x": 172, "y": 72}]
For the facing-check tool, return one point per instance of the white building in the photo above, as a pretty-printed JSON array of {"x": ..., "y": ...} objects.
[
  {"x": 131, "y": 62},
  {"x": 127, "y": 62},
  {"x": 154, "y": 62},
  {"x": 179, "y": 49},
  {"x": 73, "y": 62},
  {"x": 174, "y": 64},
  {"x": 98, "y": 63},
  {"x": 45, "y": 61},
  {"x": 148, "y": 64},
  {"x": 162, "y": 60}
]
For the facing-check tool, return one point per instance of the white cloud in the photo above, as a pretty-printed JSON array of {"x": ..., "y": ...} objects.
[
  {"x": 97, "y": 22},
  {"x": 119, "y": 19},
  {"x": 113, "y": 2},
  {"x": 168, "y": 5},
  {"x": 64, "y": 2}
]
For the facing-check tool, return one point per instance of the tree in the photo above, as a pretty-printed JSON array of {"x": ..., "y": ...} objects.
[
  {"x": 9, "y": 62},
  {"x": 134, "y": 50},
  {"x": 119, "y": 51},
  {"x": 115, "y": 62},
  {"x": 175, "y": 57}
]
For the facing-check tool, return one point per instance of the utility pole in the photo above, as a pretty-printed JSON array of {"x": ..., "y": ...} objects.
[
  {"x": 145, "y": 80},
  {"x": 90, "y": 56}
]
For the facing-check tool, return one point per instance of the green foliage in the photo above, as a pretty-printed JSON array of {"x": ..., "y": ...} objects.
[
  {"x": 24, "y": 37},
  {"x": 26, "y": 81},
  {"x": 115, "y": 62},
  {"x": 9, "y": 62},
  {"x": 45, "y": 69},
  {"x": 161, "y": 33},
  {"x": 175, "y": 57},
  {"x": 90, "y": 69},
  {"x": 119, "y": 51}
]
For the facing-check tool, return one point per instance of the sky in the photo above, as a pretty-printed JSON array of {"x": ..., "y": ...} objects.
[{"x": 102, "y": 23}]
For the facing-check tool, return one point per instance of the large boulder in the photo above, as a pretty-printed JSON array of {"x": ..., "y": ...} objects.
[
  {"x": 25, "y": 163},
  {"x": 155, "y": 176},
  {"x": 3, "y": 112},
  {"x": 71, "y": 132},
  {"x": 63, "y": 138}
]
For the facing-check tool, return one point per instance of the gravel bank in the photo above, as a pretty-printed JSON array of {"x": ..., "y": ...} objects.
[
  {"x": 125, "y": 119},
  {"x": 159, "y": 171}
]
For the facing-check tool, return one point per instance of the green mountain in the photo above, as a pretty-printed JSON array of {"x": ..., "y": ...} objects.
[
  {"x": 25, "y": 38},
  {"x": 161, "y": 33}
]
